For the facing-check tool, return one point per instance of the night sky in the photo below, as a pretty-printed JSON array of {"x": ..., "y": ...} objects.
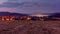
[{"x": 30, "y": 6}]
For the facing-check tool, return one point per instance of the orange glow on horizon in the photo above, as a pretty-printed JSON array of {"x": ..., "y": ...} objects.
[{"x": 8, "y": 18}]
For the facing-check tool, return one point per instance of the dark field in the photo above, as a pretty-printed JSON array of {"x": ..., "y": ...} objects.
[{"x": 29, "y": 27}]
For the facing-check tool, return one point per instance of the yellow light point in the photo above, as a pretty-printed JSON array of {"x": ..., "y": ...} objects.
[
  {"x": 28, "y": 18},
  {"x": 11, "y": 19},
  {"x": 7, "y": 19},
  {"x": 2, "y": 18}
]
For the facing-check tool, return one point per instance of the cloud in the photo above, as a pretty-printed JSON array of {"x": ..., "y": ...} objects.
[
  {"x": 10, "y": 5},
  {"x": 41, "y": 3},
  {"x": 32, "y": 6},
  {"x": 20, "y": 1},
  {"x": 2, "y": 1},
  {"x": 4, "y": 9}
]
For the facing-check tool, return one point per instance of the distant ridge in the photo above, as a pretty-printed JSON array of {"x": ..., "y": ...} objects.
[
  {"x": 55, "y": 15},
  {"x": 11, "y": 14}
]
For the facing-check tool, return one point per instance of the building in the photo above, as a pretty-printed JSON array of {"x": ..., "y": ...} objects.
[{"x": 12, "y": 18}]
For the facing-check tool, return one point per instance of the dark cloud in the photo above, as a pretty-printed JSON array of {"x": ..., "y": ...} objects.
[
  {"x": 40, "y": 6},
  {"x": 12, "y": 0},
  {"x": 9, "y": 4},
  {"x": 40, "y": 3}
]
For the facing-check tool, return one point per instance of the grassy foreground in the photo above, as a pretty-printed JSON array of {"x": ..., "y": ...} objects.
[{"x": 29, "y": 27}]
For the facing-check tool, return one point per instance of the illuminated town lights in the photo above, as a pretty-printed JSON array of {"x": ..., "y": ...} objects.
[
  {"x": 12, "y": 18},
  {"x": 28, "y": 18},
  {"x": 7, "y": 19}
]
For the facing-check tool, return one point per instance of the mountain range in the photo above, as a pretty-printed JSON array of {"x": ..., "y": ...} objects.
[
  {"x": 11, "y": 14},
  {"x": 21, "y": 14}
]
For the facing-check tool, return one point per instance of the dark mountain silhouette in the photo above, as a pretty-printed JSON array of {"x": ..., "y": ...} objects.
[
  {"x": 11, "y": 14},
  {"x": 55, "y": 15}
]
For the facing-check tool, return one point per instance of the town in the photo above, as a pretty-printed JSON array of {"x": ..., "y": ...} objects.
[{"x": 40, "y": 17}]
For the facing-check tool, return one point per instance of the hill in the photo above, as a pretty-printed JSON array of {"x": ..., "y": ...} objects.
[
  {"x": 11, "y": 14},
  {"x": 54, "y": 15}
]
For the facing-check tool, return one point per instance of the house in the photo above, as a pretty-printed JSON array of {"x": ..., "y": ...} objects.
[
  {"x": 9, "y": 18},
  {"x": 40, "y": 16},
  {"x": 12, "y": 18}
]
